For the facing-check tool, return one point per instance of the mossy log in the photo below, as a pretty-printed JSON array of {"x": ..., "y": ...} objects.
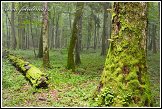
[{"x": 32, "y": 73}]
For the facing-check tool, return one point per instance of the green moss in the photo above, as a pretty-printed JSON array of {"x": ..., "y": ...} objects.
[
  {"x": 33, "y": 73},
  {"x": 133, "y": 84},
  {"x": 125, "y": 64},
  {"x": 132, "y": 75},
  {"x": 106, "y": 97}
]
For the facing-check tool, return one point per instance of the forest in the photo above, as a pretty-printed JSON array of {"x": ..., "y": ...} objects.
[{"x": 80, "y": 54}]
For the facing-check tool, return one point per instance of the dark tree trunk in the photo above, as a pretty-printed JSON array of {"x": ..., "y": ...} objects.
[
  {"x": 78, "y": 42},
  {"x": 98, "y": 34},
  {"x": 52, "y": 37},
  {"x": 7, "y": 33},
  {"x": 19, "y": 28},
  {"x": 32, "y": 33},
  {"x": 95, "y": 37},
  {"x": 105, "y": 29},
  {"x": 23, "y": 38},
  {"x": 40, "y": 53},
  {"x": 89, "y": 28},
  {"x": 57, "y": 32},
  {"x": 154, "y": 38},
  {"x": 78, "y": 14}
]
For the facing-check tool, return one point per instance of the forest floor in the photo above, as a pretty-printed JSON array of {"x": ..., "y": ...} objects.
[{"x": 66, "y": 88}]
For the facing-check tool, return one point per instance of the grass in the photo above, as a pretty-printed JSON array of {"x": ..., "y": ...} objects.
[{"x": 66, "y": 88}]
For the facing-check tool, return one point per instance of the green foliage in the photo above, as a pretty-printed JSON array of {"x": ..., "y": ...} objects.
[
  {"x": 106, "y": 97},
  {"x": 74, "y": 88}
]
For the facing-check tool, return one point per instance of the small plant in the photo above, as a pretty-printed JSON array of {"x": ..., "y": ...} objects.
[{"x": 105, "y": 97}]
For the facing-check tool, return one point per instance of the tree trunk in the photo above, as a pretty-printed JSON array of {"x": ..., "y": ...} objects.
[
  {"x": 19, "y": 27},
  {"x": 95, "y": 37},
  {"x": 46, "y": 62},
  {"x": 52, "y": 37},
  {"x": 98, "y": 33},
  {"x": 124, "y": 81},
  {"x": 105, "y": 29},
  {"x": 89, "y": 30},
  {"x": 40, "y": 52},
  {"x": 57, "y": 31},
  {"x": 31, "y": 32},
  {"x": 7, "y": 33},
  {"x": 33, "y": 74},
  {"x": 78, "y": 42},
  {"x": 14, "y": 42},
  {"x": 154, "y": 38},
  {"x": 78, "y": 14},
  {"x": 23, "y": 38}
]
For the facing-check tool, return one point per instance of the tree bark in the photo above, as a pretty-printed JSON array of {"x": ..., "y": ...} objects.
[
  {"x": 78, "y": 42},
  {"x": 7, "y": 33},
  {"x": 14, "y": 42},
  {"x": 40, "y": 52},
  {"x": 105, "y": 29},
  {"x": 95, "y": 36},
  {"x": 19, "y": 27},
  {"x": 52, "y": 37},
  {"x": 154, "y": 38},
  {"x": 124, "y": 81},
  {"x": 31, "y": 32},
  {"x": 78, "y": 14},
  {"x": 46, "y": 62},
  {"x": 57, "y": 31},
  {"x": 89, "y": 30}
]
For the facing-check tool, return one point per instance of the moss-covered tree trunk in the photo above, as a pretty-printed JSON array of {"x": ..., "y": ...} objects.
[
  {"x": 32, "y": 73},
  {"x": 46, "y": 62},
  {"x": 78, "y": 14},
  {"x": 124, "y": 81}
]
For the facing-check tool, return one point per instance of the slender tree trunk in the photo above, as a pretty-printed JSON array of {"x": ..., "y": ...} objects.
[
  {"x": 57, "y": 31},
  {"x": 14, "y": 42},
  {"x": 89, "y": 28},
  {"x": 95, "y": 37},
  {"x": 19, "y": 28},
  {"x": 28, "y": 36},
  {"x": 80, "y": 34},
  {"x": 32, "y": 36},
  {"x": 105, "y": 29},
  {"x": 154, "y": 39},
  {"x": 98, "y": 34},
  {"x": 124, "y": 81},
  {"x": 7, "y": 33},
  {"x": 40, "y": 53},
  {"x": 78, "y": 42},
  {"x": 78, "y": 14},
  {"x": 23, "y": 38},
  {"x": 52, "y": 37},
  {"x": 46, "y": 62}
]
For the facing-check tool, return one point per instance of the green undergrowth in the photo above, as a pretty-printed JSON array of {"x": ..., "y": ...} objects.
[{"x": 66, "y": 88}]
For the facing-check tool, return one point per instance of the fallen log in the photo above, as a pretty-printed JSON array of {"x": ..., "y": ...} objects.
[{"x": 32, "y": 73}]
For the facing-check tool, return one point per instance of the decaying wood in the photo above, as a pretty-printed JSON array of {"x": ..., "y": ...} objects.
[{"x": 32, "y": 73}]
